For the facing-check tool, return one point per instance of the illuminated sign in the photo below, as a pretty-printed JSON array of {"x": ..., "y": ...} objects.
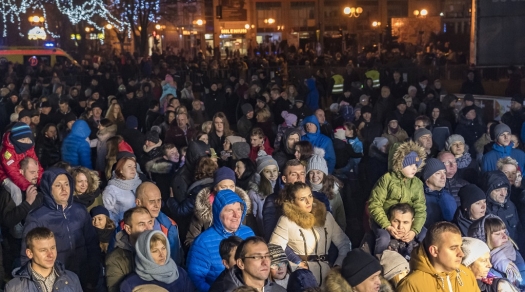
[
  {"x": 36, "y": 33},
  {"x": 233, "y": 30}
]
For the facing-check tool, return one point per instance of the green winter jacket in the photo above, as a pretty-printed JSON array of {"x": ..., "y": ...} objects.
[{"x": 393, "y": 188}]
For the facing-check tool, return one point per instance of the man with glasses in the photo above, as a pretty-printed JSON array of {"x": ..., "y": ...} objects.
[
  {"x": 253, "y": 268},
  {"x": 454, "y": 182}
]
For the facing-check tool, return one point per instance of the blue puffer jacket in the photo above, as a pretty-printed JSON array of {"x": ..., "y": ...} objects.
[
  {"x": 507, "y": 210},
  {"x": 441, "y": 206},
  {"x": 319, "y": 140},
  {"x": 312, "y": 100},
  {"x": 23, "y": 281},
  {"x": 76, "y": 239},
  {"x": 170, "y": 229},
  {"x": 491, "y": 158},
  {"x": 204, "y": 261},
  {"x": 75, "y": 148}
]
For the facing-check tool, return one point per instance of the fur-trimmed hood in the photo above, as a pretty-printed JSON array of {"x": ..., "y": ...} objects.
[
  {"x": 316, "y": 217},
  {"x": 400, "y": 150},
  {"x": 94, "y": 181},
  {"x": 106, "y": 133},
  {"x": 203, "y": 209},
  {"x": 160, "y": 165},
  {"x": 336, "y": 283}
]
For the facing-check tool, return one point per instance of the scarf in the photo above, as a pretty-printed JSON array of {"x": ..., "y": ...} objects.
[
  {"x": 503, "y": 258},
  {"x": 127, "y": 185},
  {"x": 316, "y": 187},
  {"x": 87, "y": 198},
  {"x": 146, "y": 267},
  {"x": 22, "y": 147},
  {"x": 464, "y": 161},
  {"x": 504, "y": 150},
  {"x": 105, "y": 235}
]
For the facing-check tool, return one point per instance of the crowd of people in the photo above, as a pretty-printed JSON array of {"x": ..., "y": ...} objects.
[{"x": 197, "y": 182}]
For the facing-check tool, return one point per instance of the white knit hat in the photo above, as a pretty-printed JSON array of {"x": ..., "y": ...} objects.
[
  {"x": 339, "y": 133},
  {"x": 263, "y": 160},
  {"x": 393, "y": 263},
  {"x": 473, "y": 249},
  {"x": 317, "y": 161}
]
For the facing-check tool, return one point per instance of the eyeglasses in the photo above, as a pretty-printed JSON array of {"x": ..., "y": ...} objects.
[
  {"x": 278, "y": 266},
  {"x": 259, "y": 258},
  {"x": 450, "y": 163}
]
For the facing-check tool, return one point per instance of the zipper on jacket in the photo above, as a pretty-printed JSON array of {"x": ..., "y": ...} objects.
[
  {"x": 449, "y": 284},
  {"x": 67, "y": 227}
]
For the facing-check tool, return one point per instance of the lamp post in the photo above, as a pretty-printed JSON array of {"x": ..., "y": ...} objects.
[
  {"x": 353, "y": 11},
  {"x": 422, "y": 13}
]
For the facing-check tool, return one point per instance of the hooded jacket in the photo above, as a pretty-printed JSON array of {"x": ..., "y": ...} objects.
[
  {"x": 490, "y": 159},
  {"x": 441, "y": 206},
  {"x": 507, "y": 210},
  {"x": 76, "y": 239},
  {"x": 10, "y": 163},
  {"x": 120, "y": 262},
  {"x": 204, "y": 261},
  {"x": 319, "y": 140},
  {"x": 255, "y": 150},
  {"x": 285, "y": 153},
  {"x": 423, "y": 276},
  {"x": 393, "y": 188},
  {"x": 312, "y": 100},
  {"x": 23, "y": 280},
  {"x": 232, "y": 278},
  {"x": 75, "y": 148}
]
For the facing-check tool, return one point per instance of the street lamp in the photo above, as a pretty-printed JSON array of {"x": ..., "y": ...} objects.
[
  {"x": 269, "y": 21},
  {"x": 421, "y": 13},
  {"x": 353, "y": 11},
  {"x": 109, "y": 26},
  {"x": 376, "y": 24},
  {"x": 199, "y": 22}
]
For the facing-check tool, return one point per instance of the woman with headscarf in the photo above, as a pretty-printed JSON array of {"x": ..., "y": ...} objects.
[{"x": 154, "y": 266}]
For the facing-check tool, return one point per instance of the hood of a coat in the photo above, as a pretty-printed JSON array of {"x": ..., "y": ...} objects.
[
  {"x": 335, "y": 281},
  {"x": 203, "y": 207},
  {"x": 477, "y": 228},
  {"x": 377, "y": 154},
  {"x": 196, "y": 150},
  {"x": 400, "y": 150},
  {"x": 311, "y": 84},
  {"x": 80, "y": 129},
  {"x": 316, "y": 218},
  {"x": 312, "y": 119},
  {"x": 46, "y": 183},
  {"x": 223, "y": 198},
  {"x": 122, "y": 241},
  {"x": 284, "y": 139},
  {"x": 107, "y": 132},
  {"x": 94, "y": 181},
  {"x": 494, "y": 180}
]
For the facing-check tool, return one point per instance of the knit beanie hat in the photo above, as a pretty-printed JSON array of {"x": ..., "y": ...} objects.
[
  {"x": 19, "y": 131},
  {"x": 69, "y": 117},
  {"x": 222, "y": 174},
  {"x": 317, "y": 161},
  {"x": 421, "y": 132},
  {"x": 289, "y": 118},
  {"x": 379, "y": 142},
  {"x": 234, "y": 139},
  {"x": 339, "y": 133},
  {"x": 277, "y": 254},
  {"x": 466, "y": 109},
  {"x": 366, "y": 109},
  {"x": 246, "y": 108},
  {"x": 473, "y": 249},
  {"x": 411, "y": 158},
  {"x": 241, "y": 150},
  {"x": 469, "y": 195},
  {"x": 132, "y": 122},
  {"x": 432, "y": 166},
  {"x": 153, "y": 136},
  {"x": 358, "y": 265},
  {"x": 263, "y": 160},
  {"x": 96, "y": 104},
  {"x": 24, "y": 113},
  {"x": 500, "y": 129},
  {"x": 301, "y": 280},
  {"x": 99, "y": 210},
  {"x": 393, "y": 264},
  {"x": 453, "y": 139}
]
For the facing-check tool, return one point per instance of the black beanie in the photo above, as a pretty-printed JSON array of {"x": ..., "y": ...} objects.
[
  {"x": 24, "y": 113},
  {"x": 358, "y": 265},
  {"x": 432, "y": 166},
  {"x": 469, "y": 195}
]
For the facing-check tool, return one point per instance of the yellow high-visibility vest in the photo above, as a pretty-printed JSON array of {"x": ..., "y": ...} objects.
[
  {"x": 374, "y": 75},
  {"x": 338, "y": 84}
]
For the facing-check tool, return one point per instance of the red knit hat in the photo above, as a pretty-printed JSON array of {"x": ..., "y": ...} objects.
[{"x": 123, "y": 146}]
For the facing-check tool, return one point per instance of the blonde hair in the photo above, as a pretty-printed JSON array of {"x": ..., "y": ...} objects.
[
  {"x": 506, "y": 160},
  {"x": 156, "y": 238},
  {"x": 493, "y": 224},
  {"x": 109, "y": 114}
]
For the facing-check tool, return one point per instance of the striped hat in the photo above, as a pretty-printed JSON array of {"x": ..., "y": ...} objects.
[{"x": 21, "y": 130}]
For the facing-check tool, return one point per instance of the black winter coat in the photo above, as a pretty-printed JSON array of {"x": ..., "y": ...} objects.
[{"x": 48, "y": 151}]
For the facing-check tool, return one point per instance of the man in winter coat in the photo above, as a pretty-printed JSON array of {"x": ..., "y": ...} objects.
[
  {"x": 151, "y": 149},
  {"x": 204, "y": 261},
  {"x": 278, "y": 105},
  {"x": 180, "y": 133},
  {"x": 245, "y": 123},
  {"x": 78, "y": 248},
  {"x": 497, "y": 187},
  {"x": 314, "y": 136},
  {"x": 502, "y": 148},
  {"x": 248, "y": 267},
  {"x": 148, "y": 196},
  {"x": 454, "y": 183},
  {"x": 469, "y": 127},
  {"x": 441, "y": 206},
  {"x": 75, "y": 149},
  {"x": 287, "y": 149},
  {"x": 436, "y": 264},
  {"x": 16, "y": 145},
  {"x": 121, "y": 262},
  {"x": 516, "y": 116},
  {"x": 42, "y": 272}
]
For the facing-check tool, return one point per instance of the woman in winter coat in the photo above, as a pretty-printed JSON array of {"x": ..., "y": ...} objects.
[
  {"x": 308, "y": 229},
  {"x": 393, "y": 131},
  {"x": 287, "y": 146},
  {"x": 48, "y": 146},
  {"x": 154, "y": 266},
  {"x": 506, "y": 260},
  {"x": 473, "y": 206},
  {"x": 114, "y": 114},
  {"x": 263, "y": 185},
  {"x": 106, "y": 130},
  {"x": 468, "y": 168},
  {"x": 320, "y": 181},
  {"x": 119, "y": 195},
  {"x": 75, "y": 148},
  {"x": 224, "y": 178},
  {"x": 87, "y": 187},
  {"x": 477, "y": 259},
  {"x": 244, "y": 172}
]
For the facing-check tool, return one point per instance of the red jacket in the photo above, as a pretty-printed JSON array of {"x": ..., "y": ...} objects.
[
  {"x": 10, "y": 163},
  {"x": 267, "y": 148}
]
